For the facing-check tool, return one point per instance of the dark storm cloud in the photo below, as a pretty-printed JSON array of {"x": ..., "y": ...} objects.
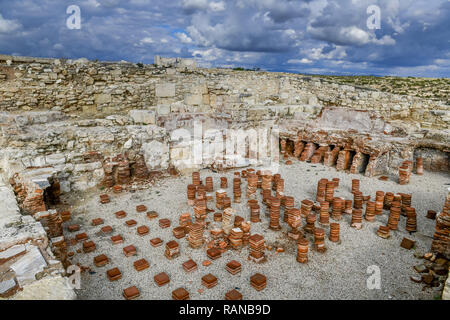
[{"x": 312, "y": 36}]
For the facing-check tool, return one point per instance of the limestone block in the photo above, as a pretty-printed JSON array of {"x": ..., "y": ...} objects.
[
  {"x": 163, "y": 109},
  {"x": 55, "y": 158},
  {"x": 156, "y": 155},
  {"x": 295, "y": 108},
  {"x": 165, "y": 90},
  {"x": 143, "y": 116},
  {"x": 49, "y": 288},
  {"x": 28, "y": 266},
  {"x": 91, "y": 166},
  {"x": 102, "y": 98},
  {"x": 193, "y": 99}
]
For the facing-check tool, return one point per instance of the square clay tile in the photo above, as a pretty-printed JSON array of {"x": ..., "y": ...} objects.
[
  {"x": 233, "y": 295},
  {"x": 164, "y": 223},
  {"x": 407, "y": 243},
  {"x": 141, "y": 264},
  {"x": 73, "y": 227},
  {"x": 178, "y": 232},
  {"x": 233, "y": 267},
  {"x": 172, "y": 244},
  {"x": 131, "y": 293},
  {"x": 107, "y": 229},
  {"x": 120, "y": 214},
  {"x": 209, "y": 280},
  {"x": 88, "y": 246},
  {"x": 117, "y": 239},
  {"x": 258, "y": 281},
  {"x": 96, "y": 222},
  {"x": 101, "y": 260},
  {"x": 213, "y": 253},
  {"x": 131, "y": 222},
  {"x": 129, "y": 250},
  {"x": 65, "y": 216},
  {"x": 180, "y": 294},
  {"x": 142, "y": 230},
  {"x": 156, "y": 242},
  {"x": 189, "y": 265},
  {"x": 141, "y": 208},
  {"x": 114, "y": 274},
  {"x": 161, "y": 279},
  {"x": 81, "y": 236},
  {"x": 152, "y": 214}
]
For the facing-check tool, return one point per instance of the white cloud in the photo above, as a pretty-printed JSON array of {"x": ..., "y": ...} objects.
[
  {"x": 298, "y": 61},
  {"x": 183, "y": 37},
  {"x": 217, "y": 6},
  {"x": 146, "y": 40},
  {"x": 8, "y": 25}
]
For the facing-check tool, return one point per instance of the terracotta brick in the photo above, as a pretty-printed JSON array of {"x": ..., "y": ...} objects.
[
  {"x": 114, "y": 274},
  {"x": 142, "y": 230},
  {"x": 161, "y": 279},
  {"x": 131, "y": 222},
  {"x": 88, "y": 246},
  {"x": 141, "y": 264},
  {"x": 96, "y": 222},
  {"x": 101, "y": 260},
  {"x": 107, "y": 229},
  {"x": 81, "y": 236},
  {"x": 120, "y": 214},
  {"x": 129, "y": 251},
  {"x": 156, "y": 242},
  {"x": 73, "y": 227},
  {"x": 131, "y": 293},
  {"x": 117, "y": 239}
]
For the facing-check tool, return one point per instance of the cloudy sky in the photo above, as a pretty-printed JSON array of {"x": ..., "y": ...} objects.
[{"x": 306, "y": 36}]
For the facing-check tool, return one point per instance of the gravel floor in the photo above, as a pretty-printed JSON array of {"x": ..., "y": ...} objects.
[{"x": 339, "y": 273}]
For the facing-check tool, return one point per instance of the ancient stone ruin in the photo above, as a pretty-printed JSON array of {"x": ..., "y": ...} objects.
[{"x": 76, "y": 130}]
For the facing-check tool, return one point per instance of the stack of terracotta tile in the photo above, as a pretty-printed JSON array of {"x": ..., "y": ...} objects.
[
  {"x": 288, "y": 203},
  {"x": 123, "y": 172},
  {"x": 117, "y": 239},
  {"x": 185, "y": 221},
  {"x": 117, "y": 188},
  {"x": 252, "y": 184},
  {"x": 141, "y": 264},
  {"x": 140, "y": 169},
  {"x": 441, "y": 236},
  {"x": 217, "y": 217},
  {"x": 357, "y": 218},
  {"x": 54, "y": 224},
  {"x": 343, "y": 160},
  {"x": 213, "y": 253},
  {"x": 220, "y": 195},
  {"x": 180, "y": 294},
  {"x": 329, "y": 191},
  {"x": 172, "y": 249},
  {"x": 388, "y": 198},
  {"x": 223, "y": 183},
  {"x": 131, "y": 223},
  {"x": 411, "y": 219},
  {"x": 131, "y": 293},
  {"x": 370, "y": 211},
  {"x": 200, "y": 209},
  {"x": 142, "y": 230},
  {"x": 209, "y": 184},
  {"x": 164, "y": 223},
  {"x": 191, "y": 192},
  {"x": 394, "y": 215},
  {"x": 196, "y": 235},
  {"x": 228, "y": 220},
  {"x": 348, "y": 206},
  {"x": 358, "y": 200},
  {"x": 237, "y": 193},
  {"x": 179, "y": 232},
  {"x": 330, "y": 157},
  {"x": 321, "y": 186},
  {"x": 298, "y": 147},
  {"x": 294, "y": 221},
  {"x": 419, "y": 166},
  {"x": 152, "y": 214},
  {"x": 319, "y": 239},
  {"x": 104, "y": 198},
  {"x": 355, "y": 185},
  {"x": 279, "y": 186},
  {"x": 156, "y": 242},
  {"x": 209, "y": 281},
  {"x": 267, "y": 194},
  {"x": 233, "y": 295},
  {"x": 161, "y": 279},
  {"x": 310, "y": 223},
  {"x": 201, "y": 192},
  {"x": 406, "y": 201},
  {"x": 108, "y": 180},
  {"x": 258, "y": 281},
  {"x": 324, "y": 217},
  {"x": 254, "y": 213},
  {"x": 114, "y": 274},
  {"x": 336, "y": 182},
  {"x": 338, "y": 208},
  {"x": 282, "y": 146},
  {"x": 233, "y": 267},
  {"x": 334, "y": 232},
  {"x": 101, "y": 260},
  {"x": 383, "y": 232},
  {"x": 266, "y": 183},
  {"x": 275, "y": 214},
  {"x": 404, "y": 173},
  {"x": 235, "y": 238},
  {"x": 189, "y": 265},
  {"x": 245, "y": 227},
  {"x": 308, "y": 151},
  {"x": 88, "y": 246},
  {"x": 306, "y": 207},
  {"x": 129, "y": 251},
  {"x": 196, "y": 178},
  {"x": 302, "y": 250},
  {"x": 379, "y": 202},
  {"x": 256, "y": 243}
]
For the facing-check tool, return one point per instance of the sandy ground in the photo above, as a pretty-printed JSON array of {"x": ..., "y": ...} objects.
[{"x": 339, "y": 273}]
